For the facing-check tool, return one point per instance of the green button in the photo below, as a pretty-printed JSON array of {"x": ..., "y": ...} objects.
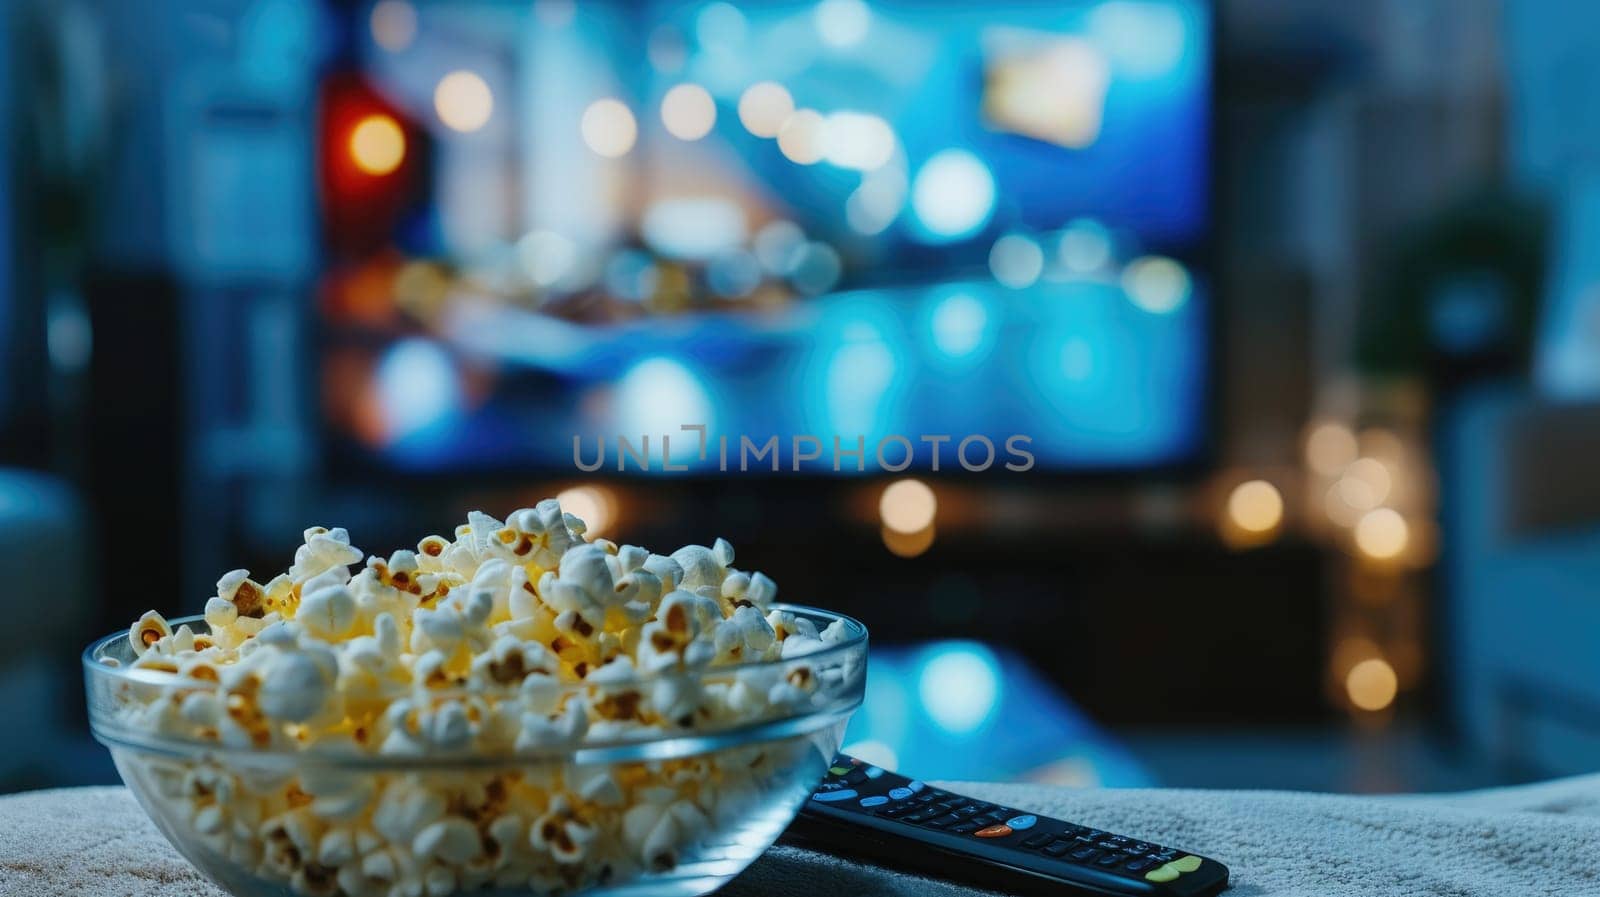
[
  {"x": 838, "y": 770},
  {"x": 1185, "y": 864},
  {"x": 1161, "y": 873}
]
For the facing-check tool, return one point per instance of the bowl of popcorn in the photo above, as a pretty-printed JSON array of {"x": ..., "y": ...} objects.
[{"x": 514, "y": 710}]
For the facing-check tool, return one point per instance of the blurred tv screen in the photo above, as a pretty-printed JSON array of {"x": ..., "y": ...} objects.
[{"x": 552, "y": 226}]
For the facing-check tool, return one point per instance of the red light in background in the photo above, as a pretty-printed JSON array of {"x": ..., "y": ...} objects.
[{"x": 371, "y": 160}]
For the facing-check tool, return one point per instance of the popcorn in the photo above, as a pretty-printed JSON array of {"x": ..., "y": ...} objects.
[
  {"x": 147, "y": 631},
  {"x": 509, "y": 638}
]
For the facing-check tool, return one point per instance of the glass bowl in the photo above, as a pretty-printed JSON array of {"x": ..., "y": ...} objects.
[{"x": 619, "y": 810}]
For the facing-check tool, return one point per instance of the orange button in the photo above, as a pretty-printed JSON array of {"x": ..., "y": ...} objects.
[{"x": 993, "y": 831}]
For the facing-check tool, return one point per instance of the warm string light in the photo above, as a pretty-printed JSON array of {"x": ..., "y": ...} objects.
[
  {"x": 595, "y": 504},
  {"x": 1255, "y": 506},
  {"x": 1371, "y": 684},
  {"x": 377, "y": 145},
  {"x": 908, "y": 509}
]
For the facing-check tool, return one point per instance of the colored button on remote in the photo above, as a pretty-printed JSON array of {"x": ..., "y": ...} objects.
[
  {"x": 877, "y": 800},
  {"x": 838, "y": 770},
  {"x": 829, "y": 797},
  {"x": 873, "y": 772},
  {"x": 993, "y": 831},
  {"x": 1186, "y": 864},
  {"x": 1022, "y": 823},
  {"x": 897, "y": 793},
  {"x": 1162, "y": 873},
  {"x": 915, "y": 786}
]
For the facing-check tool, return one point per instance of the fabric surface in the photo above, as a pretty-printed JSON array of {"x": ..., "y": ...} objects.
[{"x": 1540, "y": 839}]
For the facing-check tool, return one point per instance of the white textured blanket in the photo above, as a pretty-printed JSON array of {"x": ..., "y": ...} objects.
[{"x": 1540, "y": 839}]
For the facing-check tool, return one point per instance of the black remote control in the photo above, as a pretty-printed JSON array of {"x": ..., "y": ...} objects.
[{"x": 871, "y": 814}]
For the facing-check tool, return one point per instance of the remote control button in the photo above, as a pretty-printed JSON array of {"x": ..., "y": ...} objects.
[
  {"x": 915, "y": 786},
  {"x": 1038, "y": 840},
  {"x": 1108, "y": 844},
  {"x": 1058, "y": 848},
  {"x": 1185, "y": 864},
  {"x": 838, "y": 770},
  {"x": 1086, "y": 854},
  {"x": 942, "y": 822},
  {"x": 919, "y": 818},
  {"x": 965, "y": 828},
  {"x": 1022, "y": 823},
  {"x": 1162, "y": 873},
  {"x": 877, "y": 800},
  {"x": 986, "y": 819},
  {"x": 993, "y": 831},
  {"x": 873, "y": 772},
  {"x": 969, "y": 810},
  {"x": 899, "y": 793},
  {"x": 829, "y": 797},
  {"x": 1139, "y": 864},
  {"x": 926, "y": 799}
]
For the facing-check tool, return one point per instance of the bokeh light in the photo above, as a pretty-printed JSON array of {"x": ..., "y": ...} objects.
[
  {"x": 1382, "y": 534},
  {"x": 959, "y": 323},
  {"x": 908, "y": 506},
  {"x": 596, "y": 505},
  {"x": 377, "y": 145},
  {"x": 1365, "y": 484},
  {"x": 800, "y": 138},
  {"x": 1330, "y": 447},
  {"x": 1255, "y": 506},
  {"x": 1372, "y": 684},
  {"x": 764, "y": 107},
  {"x": 953, "y": 194},
  {"x": 463, "y": 101},
  {"x": 393, "y": 24},
  {"x": 856, "y": 141},
  {"x": 1016, "y": 261},
  {"x": 777, "y": 245},
  {"x": 658, "y": 396},
  {"x": 1155, "y": 284},
  {"x": 1085, "y": 247},
  {"x": 546, "y": 256},
  {"x": 609, "y": 128},
  {"x": 721, "y": 27},
  {"x": 842, "y": 23},
  {"x": 959, "y": 686},
  {"x": 417, "y": 386},
  {"x": 688, "y": 112}
]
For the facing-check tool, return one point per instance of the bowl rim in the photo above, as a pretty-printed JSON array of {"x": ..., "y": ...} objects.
[{"x": 652, "y": 744}]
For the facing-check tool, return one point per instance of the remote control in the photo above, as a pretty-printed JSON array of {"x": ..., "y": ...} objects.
[{"x": 871, "y": 814}]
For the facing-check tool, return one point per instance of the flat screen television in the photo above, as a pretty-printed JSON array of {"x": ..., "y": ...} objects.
[{"x": 708, "y": 228}]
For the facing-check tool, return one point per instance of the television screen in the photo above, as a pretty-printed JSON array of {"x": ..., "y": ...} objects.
[{"x": 837, "y": 236}]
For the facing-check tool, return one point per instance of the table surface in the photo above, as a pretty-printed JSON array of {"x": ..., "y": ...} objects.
[{"x": 96, "y": 842}]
